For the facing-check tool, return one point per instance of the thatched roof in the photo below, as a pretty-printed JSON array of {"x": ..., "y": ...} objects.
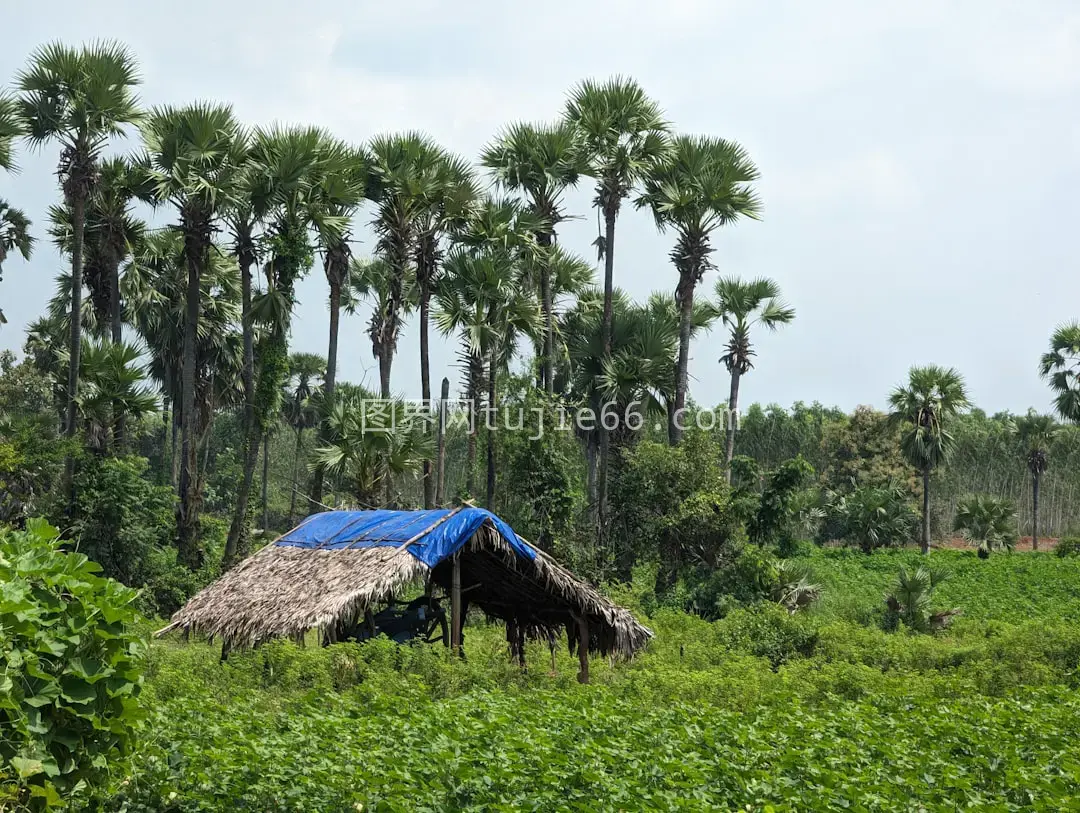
[{"x": 335, "y": 566}]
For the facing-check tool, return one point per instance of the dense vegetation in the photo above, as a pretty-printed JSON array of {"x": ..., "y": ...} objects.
[{"x": 158, "y": 417}]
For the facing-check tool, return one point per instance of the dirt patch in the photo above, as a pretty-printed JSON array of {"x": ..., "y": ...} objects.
[{"x": 1045, "y": 543}]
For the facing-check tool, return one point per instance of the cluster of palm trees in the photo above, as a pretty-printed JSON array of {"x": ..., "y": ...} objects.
[
  {"x": 252, "y": 210},
  {"x": 925, "y": 407}
]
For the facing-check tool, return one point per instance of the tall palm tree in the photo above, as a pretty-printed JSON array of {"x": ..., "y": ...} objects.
[
  {"x": 373, "y": 281},
  {"x": 1061, "y": 367},
  {"x": 702, "y": 184},
  {"x": 279, "y": 188},
  {"x": 79, "y": 98},
  {"x": 743, "y": 305},
  {"x": 14, "y": 224},
  {"x": 193, "y": 156},
  {"x": 1034, "y": 435},
  {"x": 111, "y": 234},
  {"x": 540, "y": 161},
  {"x": 923, "y": 409},
  {"x": 343, "y": 185},
  {"x": 447, "y": 190},
  {"x": 401, "y": 170},
  {"x": 479, "y": 298},
  {"x": 623, "y": 134},
  {"x": 307, "y": 371}
]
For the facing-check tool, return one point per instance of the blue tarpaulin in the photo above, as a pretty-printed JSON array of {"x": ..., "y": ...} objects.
[{"x": 445, "y": 534}]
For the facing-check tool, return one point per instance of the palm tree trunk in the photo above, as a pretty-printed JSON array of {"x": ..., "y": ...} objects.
[
  {"x": 610, "y": 213},
  {"x": 425, "y": 380},
  {"x": 492, "y": 424},
  {"x": 265, "y": 481},
  {"x": 329, "y": 385},
  {"x": 238, "y": 527},
  {"x": 548, "y": 362},
  {"x": 1035, "y": 478},
  {"x": 591, "y": 459},
  {"x": 187, "y": 509},
  {"x": 386, "y": 358},
  {"x": 295, "y": 474},
  {"x": 926, "y": 510},
  {"x": 117, "y": 328},
  {"x": 174, "y": 458},
  {"x": 440, "y": 480},
  {"x": 78, "y": 228},
  {"x": 476, "y": 373},
  {"x": 686, "y": 309},
  {"x": 733, "y": 407}
]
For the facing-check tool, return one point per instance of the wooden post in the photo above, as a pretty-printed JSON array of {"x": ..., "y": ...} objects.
[
  {"x": 583, "y": 650},
  {"x": 440, "y": 464},
  {"x": 455, "y": 605},
  {"x": 520, "y": 632}
]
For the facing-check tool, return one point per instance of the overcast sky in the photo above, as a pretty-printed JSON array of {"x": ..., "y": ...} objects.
[{"x": 920, "y": 161}]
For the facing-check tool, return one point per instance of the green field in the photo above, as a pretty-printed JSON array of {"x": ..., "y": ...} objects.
[{"x": 758, "y": 711}]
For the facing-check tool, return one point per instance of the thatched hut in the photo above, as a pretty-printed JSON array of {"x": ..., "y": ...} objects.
[{"x": 336, "y": 566}]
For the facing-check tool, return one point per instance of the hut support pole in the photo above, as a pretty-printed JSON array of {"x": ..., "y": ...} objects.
[
  {"x": 583, "y": 650},
  {"x": 455, "y": 605}
]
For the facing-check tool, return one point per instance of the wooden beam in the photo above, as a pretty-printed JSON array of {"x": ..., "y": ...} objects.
[
  {"x": 455, "y": 605},
  {"x": 583, "y": 649}
]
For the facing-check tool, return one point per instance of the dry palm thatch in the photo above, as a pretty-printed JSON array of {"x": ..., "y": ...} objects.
[{"x": 284, "y": 591}]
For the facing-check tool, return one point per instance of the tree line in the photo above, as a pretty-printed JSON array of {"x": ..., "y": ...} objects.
[{"x": 158, "y": 335}]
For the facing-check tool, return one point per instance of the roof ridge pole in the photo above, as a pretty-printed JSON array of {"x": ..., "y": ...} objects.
[{"x": 431, "y": 527}]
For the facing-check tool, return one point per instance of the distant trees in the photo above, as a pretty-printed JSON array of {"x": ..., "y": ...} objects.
[{"x": 924, "y": 409}]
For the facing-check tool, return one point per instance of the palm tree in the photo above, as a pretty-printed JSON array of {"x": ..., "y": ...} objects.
[
  {"x": 702, "y": 184},
  {"x": 1034, "y": 435},
  {"x": 192, "y": 159},
  {"x": 306, "y": 370},
  {"x": 78, "y": 97},
  {"x": 14, "y": 224},
  {"x": 115, "y": 390},
  {"x": 480, "y": 299},
  {"x": 987, "y": 522},
  {"x": 344, "y": 181},
  {"x": 923, "y": 409},
  {"x": 623, "y": 134},
  {"x": 111, "y": 234},
  {"x": 372, "y": 281},
  {"x": 448, "y": 191},
  {"x": 1061, "y": 367},
  {"x": 541, "y": 162},
  {"x": 14, "y": 236},
  {"x": 741, "y": 306},
  {"x": 401, "y": 168},
  {"x": 369, "y": 448}
]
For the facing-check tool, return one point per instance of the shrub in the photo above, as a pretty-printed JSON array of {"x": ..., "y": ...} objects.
[
  {"x": 121, "y": 518},
  {"x": 987, "y": 522},
  {"x": 70, "y": 674},
  {"x": 910, "y": 597},
  {"x": 873, "y": 517},
  {"x": 1069, "y": 546}
]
